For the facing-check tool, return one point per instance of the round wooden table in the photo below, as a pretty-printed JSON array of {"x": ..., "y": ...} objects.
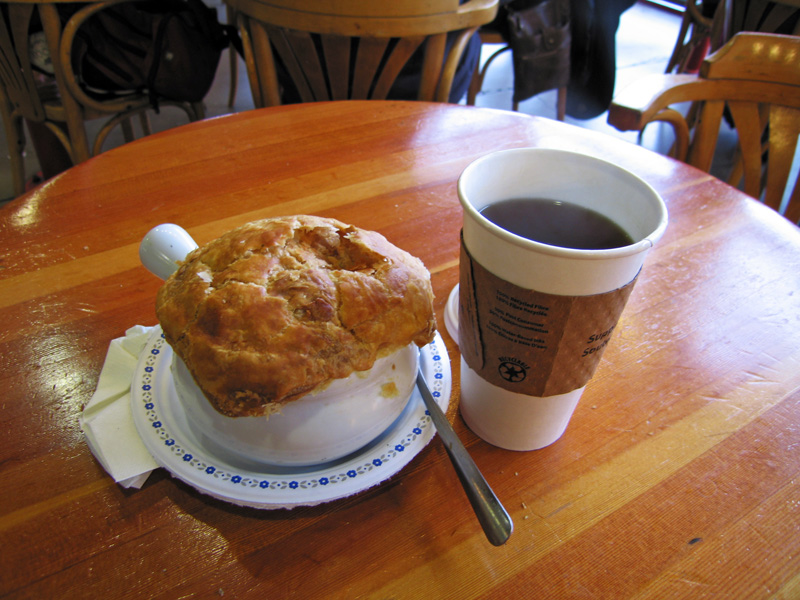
[{"x": 675, "y": 478}]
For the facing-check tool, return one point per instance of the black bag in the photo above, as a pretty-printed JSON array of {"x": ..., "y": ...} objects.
[
  {"x": 169, "y": 49},
  {"x": 538, "y": 32}
]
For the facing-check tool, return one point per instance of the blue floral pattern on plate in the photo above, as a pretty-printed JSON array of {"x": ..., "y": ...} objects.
[{"x": 165, "y": 433}]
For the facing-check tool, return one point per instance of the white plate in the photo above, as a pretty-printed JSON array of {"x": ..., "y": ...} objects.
[{"x": 162, "y": 425}]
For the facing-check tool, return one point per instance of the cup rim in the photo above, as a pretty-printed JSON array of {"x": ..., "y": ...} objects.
[{"x": 573, "y": 253}]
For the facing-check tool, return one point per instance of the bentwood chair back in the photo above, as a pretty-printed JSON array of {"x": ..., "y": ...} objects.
[
  {"x": 699, "y": 32},
  {"x": 26, "y": 94},
  {"x": 21, "y": 95},
  {"x": 754, "y": 80},
  {"x": 354, "y": 49},
  {"x": 707, "y": 26}
]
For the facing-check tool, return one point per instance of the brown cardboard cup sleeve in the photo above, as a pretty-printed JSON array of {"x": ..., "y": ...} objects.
[{"x": 531, "y": 342}]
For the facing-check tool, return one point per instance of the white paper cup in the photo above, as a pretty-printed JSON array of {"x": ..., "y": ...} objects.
[{"x": 521, "y": 421}]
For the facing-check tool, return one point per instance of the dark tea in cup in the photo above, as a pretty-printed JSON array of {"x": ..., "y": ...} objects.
[{"x": 557, "y": 223}]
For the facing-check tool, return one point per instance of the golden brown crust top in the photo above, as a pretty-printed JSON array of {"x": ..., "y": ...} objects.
[{"x": 277, "y": 308}]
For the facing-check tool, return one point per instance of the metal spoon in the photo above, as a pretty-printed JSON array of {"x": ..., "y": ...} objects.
[{"x": 494, "y": 519}]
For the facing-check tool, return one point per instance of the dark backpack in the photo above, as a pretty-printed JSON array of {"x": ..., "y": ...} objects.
[
  {"x": 539, "y": 34},
  {"x": 169, "y": 49}
]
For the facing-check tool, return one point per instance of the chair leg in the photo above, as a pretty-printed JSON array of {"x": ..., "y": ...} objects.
[
  {"x": 16, "y": 146},
  {"x": 233, "y": 59},
  {"x": 561, "y": 103},
  {"x": 54, "y": 158},
  {"x": 678, "y": 52},
  {"x": 196, "y": 112},
  {"x": 144, "y": 123},
  {"x": 15, "y": 137},
  {"x": 476, "y": 83},
  {"x": 127, "y": 131}
]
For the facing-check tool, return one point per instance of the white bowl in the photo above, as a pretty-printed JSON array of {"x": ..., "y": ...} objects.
[{"x": 318, "y": 428}]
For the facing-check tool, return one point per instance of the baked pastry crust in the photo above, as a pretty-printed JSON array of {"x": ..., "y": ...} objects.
[{"x": 277, "y": 308}]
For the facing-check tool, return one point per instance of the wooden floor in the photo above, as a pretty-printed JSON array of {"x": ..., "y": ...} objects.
[{"x": 644, "y": 42}]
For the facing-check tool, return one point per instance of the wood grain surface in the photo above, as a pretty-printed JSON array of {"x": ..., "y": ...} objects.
[{"x": 676, "y": 478}]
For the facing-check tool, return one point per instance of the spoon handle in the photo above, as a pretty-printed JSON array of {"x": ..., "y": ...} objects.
[{"x": 494, "y": 519}]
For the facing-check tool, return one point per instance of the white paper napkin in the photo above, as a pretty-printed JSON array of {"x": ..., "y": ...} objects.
[{"x": 107, "y": 421}]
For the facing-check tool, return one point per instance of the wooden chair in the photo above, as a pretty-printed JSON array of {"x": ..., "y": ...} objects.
[
  {"x": 699, "y": 33},
  {"x": 354, "y": 49},
  {"x": 27, "y": 95},
  {"x": 755, "y": 77}
]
